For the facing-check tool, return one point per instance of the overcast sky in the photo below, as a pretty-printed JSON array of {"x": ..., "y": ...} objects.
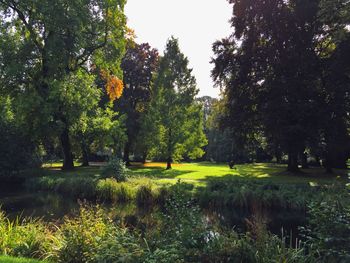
[{"x": 196, "y": 23}]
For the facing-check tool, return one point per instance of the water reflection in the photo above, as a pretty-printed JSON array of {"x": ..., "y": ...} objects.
[{"x": 51, "y": 206}]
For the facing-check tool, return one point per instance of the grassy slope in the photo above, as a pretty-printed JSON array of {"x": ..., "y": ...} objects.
[
  {"x": 6, "y": 259},
  {"x": 199, "y": 173}
]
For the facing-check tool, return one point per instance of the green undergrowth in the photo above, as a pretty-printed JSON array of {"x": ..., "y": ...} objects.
[
  {"x": 253, "y": 193},
  {"x": 179, "y": 234}
]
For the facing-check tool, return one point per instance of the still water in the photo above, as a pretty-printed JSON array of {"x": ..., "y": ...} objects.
[{"x": 18, "y": 202}]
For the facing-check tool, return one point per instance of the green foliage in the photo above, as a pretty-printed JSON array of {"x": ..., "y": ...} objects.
[
  {"x": 18, "y": 152},
  {"x": 47, "y": 64},
  {"x": 116, "y": 169},
  {"x": 78, "y": 187},
  {"x": 295, "y": 95},
  {"x": 139, "y": 64},
  {"x": 181, "y": 235},
  {"x": 112, "y": 190},
  {"x": 145, "y": 195},
  {"x": 93, "y": 237},
  {"x": 248, "y": 194},
  {"x": 328, "y": 232},
  {"x": 23, "y": 238},
  {"x": 178, "y": 117}
]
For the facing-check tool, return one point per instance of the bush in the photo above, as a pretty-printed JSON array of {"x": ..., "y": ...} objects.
[
  {"x": 328, "y": 233},
  {"x": 116, "y": 169},
  {"x": 93, "y": 237}
]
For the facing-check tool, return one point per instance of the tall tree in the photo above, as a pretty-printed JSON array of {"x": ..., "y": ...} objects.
[
  {"x": 139, "y": 64},
  {"x": 43, "y": 42},
  {"x": 180, "y": 119},
  {"x": 270, "y": 69}
]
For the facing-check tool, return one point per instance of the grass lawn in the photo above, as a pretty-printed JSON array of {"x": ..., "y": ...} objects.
[
  {"x": 7, "y": 259},
  {"x": 199, "y": 173}
]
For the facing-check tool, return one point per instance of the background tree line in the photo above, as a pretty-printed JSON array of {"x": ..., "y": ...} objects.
[{"x": 284, "y": 73}]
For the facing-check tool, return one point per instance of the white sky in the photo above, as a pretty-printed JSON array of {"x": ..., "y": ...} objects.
[{"x": 196, "y": 23}]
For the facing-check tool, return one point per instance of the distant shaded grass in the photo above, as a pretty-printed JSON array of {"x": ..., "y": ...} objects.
[{"x": 7, "y": 259}]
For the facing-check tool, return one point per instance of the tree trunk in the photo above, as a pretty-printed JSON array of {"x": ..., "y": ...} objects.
[
  {"x": 126, "y": 154},
  {"x": 168, "y": 163},
  {"x": 293, "y": 162},
  {"x": 85, "y": 153},
  {"x": 278, "y": 156},
  {"x": 318, "y": 161},
  {"x": 170, "y": 152},
  {"x": 327, "y": 163},
  {"x": 144, "y": 157},
  {"x": 66, "y": 149},
  {"x": 304, "y": 163}
]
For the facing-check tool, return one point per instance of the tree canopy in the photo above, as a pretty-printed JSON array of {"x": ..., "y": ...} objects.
[
  {"x": 272, "y": 70},
  {"x": 47, "y": 48},
  {"x": 179, "y": 117}
]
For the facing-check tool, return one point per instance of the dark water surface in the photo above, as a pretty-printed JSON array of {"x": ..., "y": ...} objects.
[{"x": 18, "y": 202}]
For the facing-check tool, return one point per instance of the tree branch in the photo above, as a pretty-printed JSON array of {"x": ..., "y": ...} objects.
[
  {"x": 90, "y": 50},
  {"x": 21, "y": 16}
]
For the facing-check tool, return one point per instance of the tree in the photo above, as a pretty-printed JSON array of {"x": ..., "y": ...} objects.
[
  {"x": 270, "y": 70},
  {"x": 44, "y": 42},
  {"x": 179, "y": 116},
  {"x": 334, "y": 100},
  {"x": 139, "y": 63},
  {"x": 99, "y": 129}
]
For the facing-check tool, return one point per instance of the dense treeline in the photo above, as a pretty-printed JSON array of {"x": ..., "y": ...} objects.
[
  {"x": 79, "y": 86},
  {"x": 285, "y": 78}
]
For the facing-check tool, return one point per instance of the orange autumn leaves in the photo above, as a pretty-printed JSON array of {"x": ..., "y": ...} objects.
[{"x": 114, "y": 86}]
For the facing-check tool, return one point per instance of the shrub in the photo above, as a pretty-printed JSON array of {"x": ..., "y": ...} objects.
[
  {"x": 328, "y": 233},
  {"x": 116, "y": 169},
  {"x": 93, "y": 237}
]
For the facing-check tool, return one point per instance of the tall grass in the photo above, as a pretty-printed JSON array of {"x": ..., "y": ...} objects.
[
  {"x": 77, "y": 187},
  {"x": 246, "y": 194},
  {"x": 24, "y": 237},
  {"x": 113, "y": 191}
]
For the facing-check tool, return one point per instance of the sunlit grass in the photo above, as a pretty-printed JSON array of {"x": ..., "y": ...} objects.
[
  {"x": 57, "y": 164},
  {"x": 199, "y": 173}
]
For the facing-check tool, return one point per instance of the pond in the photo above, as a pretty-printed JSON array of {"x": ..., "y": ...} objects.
[{"x": 18, "y": 202}]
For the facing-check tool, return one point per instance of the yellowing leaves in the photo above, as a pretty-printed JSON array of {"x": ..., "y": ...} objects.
[{"x": 114, "y": 86}]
